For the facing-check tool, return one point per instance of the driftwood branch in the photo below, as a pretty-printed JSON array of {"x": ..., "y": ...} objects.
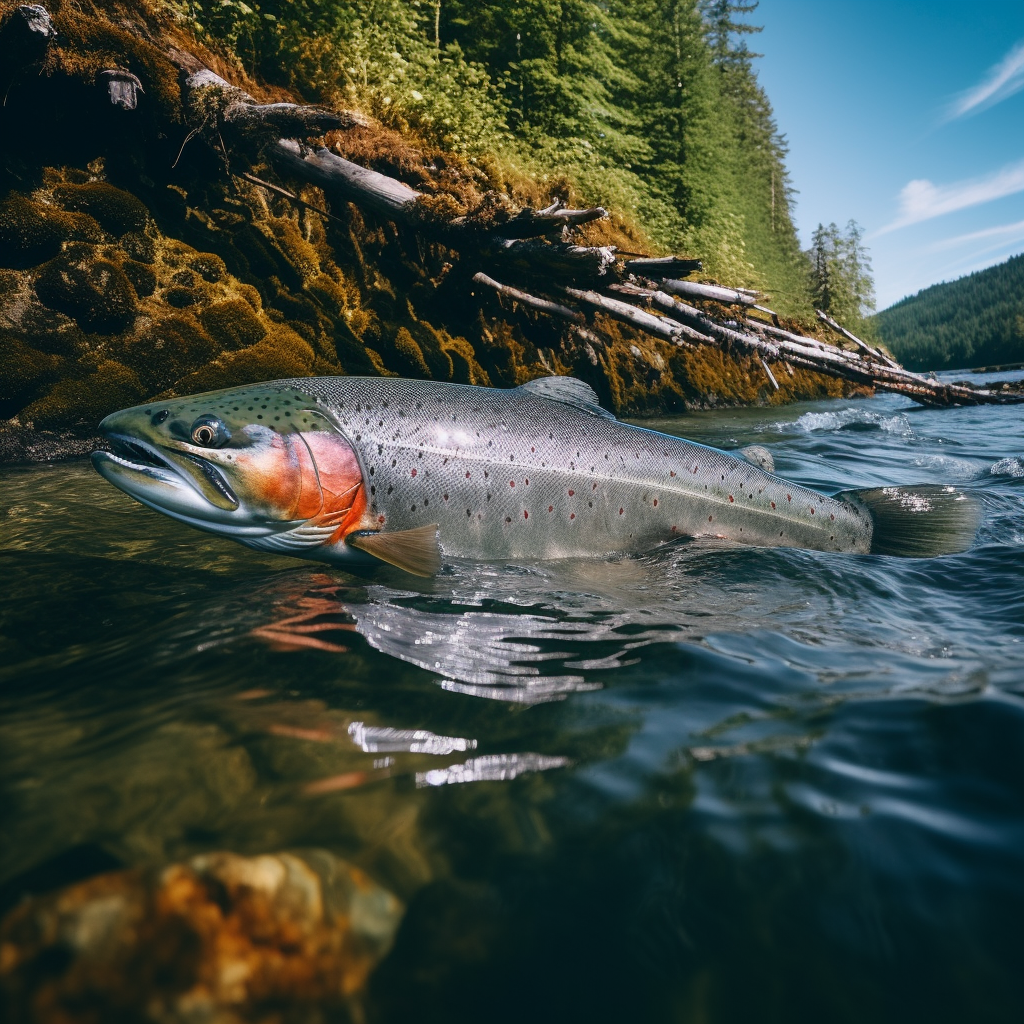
[
  {"x": 554, "y": 309},
  {"x": 531, "y": 223},
  {"x": 850, "y": 336}
]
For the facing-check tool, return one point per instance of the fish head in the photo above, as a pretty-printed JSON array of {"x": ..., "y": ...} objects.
[{"x": 253, "y": 463}]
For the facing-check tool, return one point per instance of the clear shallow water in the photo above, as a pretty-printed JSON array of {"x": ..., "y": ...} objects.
[{"x": 709, "y": 784}]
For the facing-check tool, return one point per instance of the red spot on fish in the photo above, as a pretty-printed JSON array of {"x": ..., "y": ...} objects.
[
  {"x": 673, "y": 473},
  {"x": 527, "y": 481},
  {"x": 511, "y": 483},
  {"x": 532, "y": 449},
  {"x": 572, "y": 515},
  {"x": 571, "y": 493},
  {"x": 414, "y": 472},
  {"x": 731, "y": 498},
  {"x": 772, "y": 503},
  {"x": 673, "y": 529},
  {"x": 621, "y": 511},
  {"x": 789, "y": 497},
  {"x": 812, "y": 511},
  {"x": 551, "y": 508},
  {"x": 380, "y": 519},
  {"x": 467, "y": 474},
  {"x": 833, "y": 518},
  {"x": 710, "y": 518},
  {"x": 655, "y": 501},
  {"x": 594, "y": 488},
  {"x": 526, "y": 515}
]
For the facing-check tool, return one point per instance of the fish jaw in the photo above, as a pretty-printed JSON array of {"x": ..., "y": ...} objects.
[{"x": 209, "y": 462}]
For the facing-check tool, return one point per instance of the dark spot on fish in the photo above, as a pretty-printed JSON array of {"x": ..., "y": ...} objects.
[
  {"x": 373, "y": 489},
  {"x": 162, "y": 415},
  {"x": 710, "y": 518},
  {"x": 656, "y": 501},
  {"x": 672, "y": 473},
  {"x": 467, "y": 474},
  {"x": 772, "y": 503},
  {"x": 372, "y": 470},
  {"x": 390, "y": 489},
  {"x": 621, "y": 510},
  {"x": 508, "y": 519},
  {"x": 812, "y": 511},
  {"x": 413, "y": 509},
  {"x": 446, "y": 497}
]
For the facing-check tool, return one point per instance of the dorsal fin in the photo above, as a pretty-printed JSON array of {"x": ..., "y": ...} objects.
[
  {"x": 569, "y": 391},
  {"x": 415, "y": 551},
  {"x": 758, "y": 455}
]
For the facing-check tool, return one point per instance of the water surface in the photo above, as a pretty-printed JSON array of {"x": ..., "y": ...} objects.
[{"x": 707, "y": 784}]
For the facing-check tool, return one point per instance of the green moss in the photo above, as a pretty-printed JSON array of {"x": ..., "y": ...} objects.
[
  {"x": 116, "y": 211},
  {"x": 407, "y": 357},
  {"x": 24, "y": 372},
  {"x": 180, "y": 297},
  {"x": 139, "y": 247},
  {"x": 167, "y": 350},
  {"x": 84, "y": 401},
  {"x": 93, "y": 291},
  {"x": 209, "y": 267},
  {"x": 32, "y": 232},
  {"x": 232, "y": 324},
  {"x": 282, "y": 353},
  {"x": 142, "y": 277}
]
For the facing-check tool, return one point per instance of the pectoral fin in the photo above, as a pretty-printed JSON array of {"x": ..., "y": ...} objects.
[{"x": 416, "y": 551}]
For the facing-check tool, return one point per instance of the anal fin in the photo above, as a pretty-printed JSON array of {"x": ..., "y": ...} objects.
[{"x": 416, "y": 551}]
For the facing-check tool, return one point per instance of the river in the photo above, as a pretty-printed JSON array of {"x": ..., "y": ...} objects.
[{"x": 709, "y": 784}]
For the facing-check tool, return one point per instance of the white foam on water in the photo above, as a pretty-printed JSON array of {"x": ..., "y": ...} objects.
[
  {"x": 897, "y": 425},
  {"x": 1013, "y": 466}
]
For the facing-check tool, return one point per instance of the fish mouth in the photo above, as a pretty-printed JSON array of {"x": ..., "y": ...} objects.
[{"x": 172, "y": 485}]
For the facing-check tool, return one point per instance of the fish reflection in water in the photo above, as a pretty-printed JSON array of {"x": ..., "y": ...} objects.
[{"x": 511, "y": 634}]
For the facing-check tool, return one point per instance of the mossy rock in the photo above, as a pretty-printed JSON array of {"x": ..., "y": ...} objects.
[
  {"x": 24, "y": 372},
  {"x": 116, "y": 211},
  {"x": 167, "y": 350},
  {"x": 232, "y": 324},
  {"x": 143, "y": 278},
  {"x": 32, "y": 232},
  {"x": 209, "y": 267},
  {"x": 407, "y": 357},
  {"x": 84, "y": 401},
  {"x": 92, "y": 290},
  {"x": 282, "y": 353},
  {"x": 139, "y": 247}
]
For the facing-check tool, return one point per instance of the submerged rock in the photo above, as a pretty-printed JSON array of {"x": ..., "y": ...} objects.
[{"x": 218, "y": 938}]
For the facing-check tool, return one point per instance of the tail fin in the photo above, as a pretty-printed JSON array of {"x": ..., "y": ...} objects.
[{"x": 918, "y": 522}]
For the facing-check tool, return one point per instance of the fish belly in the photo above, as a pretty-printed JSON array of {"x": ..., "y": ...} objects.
[{"x": 509, "y": 475}]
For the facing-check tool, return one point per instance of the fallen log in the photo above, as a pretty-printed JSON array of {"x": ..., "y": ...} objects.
[
  {"x": 555, "y": 309},
  {"x": 850, "y": 336}
]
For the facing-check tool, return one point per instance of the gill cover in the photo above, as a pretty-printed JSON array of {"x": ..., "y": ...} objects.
[{"x": 263, "y": 464}]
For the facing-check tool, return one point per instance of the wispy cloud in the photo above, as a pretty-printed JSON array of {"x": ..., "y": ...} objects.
[
  {"x": 1006, "y": 233},
  {"x": 921, "y": 200},
  {"x": 1001, "y": 82}
]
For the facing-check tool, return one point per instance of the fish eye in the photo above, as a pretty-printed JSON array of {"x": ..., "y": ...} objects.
[{"x": 210, "y": 432}]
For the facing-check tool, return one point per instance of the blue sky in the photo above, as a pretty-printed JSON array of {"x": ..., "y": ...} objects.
[{"x": 907, "y": 117}]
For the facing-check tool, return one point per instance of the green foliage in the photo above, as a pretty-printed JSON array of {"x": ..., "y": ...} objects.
[
  {"x": 977, "y": 320},
  {"x": 841, "y": 283},
  {"x": 651, "y": 107}
]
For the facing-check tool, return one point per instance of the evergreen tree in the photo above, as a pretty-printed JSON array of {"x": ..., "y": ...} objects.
[{"x": 840, "y": 269}]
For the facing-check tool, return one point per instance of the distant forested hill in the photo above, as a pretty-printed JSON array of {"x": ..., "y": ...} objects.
[{"x": 975, "y": 321}]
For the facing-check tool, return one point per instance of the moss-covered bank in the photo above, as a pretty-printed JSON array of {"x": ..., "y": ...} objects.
[{"x": 134, "y": 262}]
